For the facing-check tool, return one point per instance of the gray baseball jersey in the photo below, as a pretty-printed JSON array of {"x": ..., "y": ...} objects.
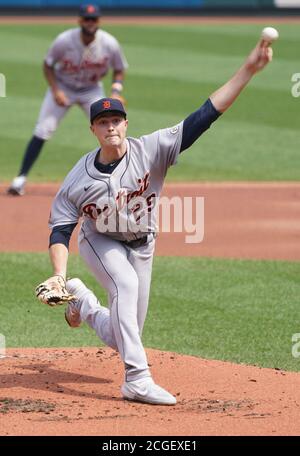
[
  {"x": 78, "y": 70},
  {"x": 81, "y": 67},
  {"x": 137, "y": 179}
]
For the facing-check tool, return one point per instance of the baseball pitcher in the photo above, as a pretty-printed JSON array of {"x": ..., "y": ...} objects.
[{"x": 121, "y": 180}]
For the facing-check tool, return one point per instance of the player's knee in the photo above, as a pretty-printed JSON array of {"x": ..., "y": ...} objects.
[{"x": 45, "y": 130}]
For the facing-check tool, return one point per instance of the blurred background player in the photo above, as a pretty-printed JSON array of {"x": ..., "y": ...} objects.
[{"x": 74, "y": 66}]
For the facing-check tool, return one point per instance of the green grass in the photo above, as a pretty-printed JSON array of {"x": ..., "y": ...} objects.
[
  {"x": 242, "y": 311},
  {"x": 173, "y": 69}
]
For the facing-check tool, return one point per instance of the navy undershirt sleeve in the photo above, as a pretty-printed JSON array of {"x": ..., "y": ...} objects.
[
  {"x": 197, "y": 123},
  {"x": 62, "y": 234}
]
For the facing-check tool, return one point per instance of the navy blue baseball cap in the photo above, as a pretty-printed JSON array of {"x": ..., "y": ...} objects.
[
  {"x": 106, "y": 105},
  {"x": 89, "y": 11}
]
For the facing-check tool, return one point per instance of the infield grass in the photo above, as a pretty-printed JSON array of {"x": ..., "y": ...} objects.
[
  {"x": 173, "y": 69},
  {"x": 237, "y": 310}
]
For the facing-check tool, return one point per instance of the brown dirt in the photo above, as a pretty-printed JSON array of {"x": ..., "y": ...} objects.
[
  {"x": 77, "y": 392},
  {"x": 242, "y": 220},
  {"x": 152, "y": 20}
]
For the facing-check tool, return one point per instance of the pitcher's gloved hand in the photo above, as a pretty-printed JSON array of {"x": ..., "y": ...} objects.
[{"x": 53, "y": 291}]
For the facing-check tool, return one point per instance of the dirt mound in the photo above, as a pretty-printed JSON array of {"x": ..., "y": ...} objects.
[{"x": 77, "y": 392}]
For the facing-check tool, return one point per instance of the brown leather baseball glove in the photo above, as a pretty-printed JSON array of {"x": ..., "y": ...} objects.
[{"x": 53, "y": 291}]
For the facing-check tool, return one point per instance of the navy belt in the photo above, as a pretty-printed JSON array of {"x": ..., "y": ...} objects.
[{"x": 136, "y": 242}]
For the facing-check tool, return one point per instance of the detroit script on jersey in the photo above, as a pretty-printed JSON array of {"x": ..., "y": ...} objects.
[
  {"x": 79, "y": 66},
  {"x": 127, "y": 196}
]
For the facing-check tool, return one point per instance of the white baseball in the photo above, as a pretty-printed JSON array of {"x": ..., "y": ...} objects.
[{"x": 269, "y": 34}]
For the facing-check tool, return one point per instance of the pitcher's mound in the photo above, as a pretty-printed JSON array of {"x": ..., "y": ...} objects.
[{"x": 77, "y": 392}]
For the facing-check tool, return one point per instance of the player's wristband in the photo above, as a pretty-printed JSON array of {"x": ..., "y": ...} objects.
[{"x": 117, "y": 87}]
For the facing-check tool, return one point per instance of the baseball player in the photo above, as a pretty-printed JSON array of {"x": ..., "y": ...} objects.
[
  {"x": 125, "y": 173},
  {"x": 75, "y": 63}
]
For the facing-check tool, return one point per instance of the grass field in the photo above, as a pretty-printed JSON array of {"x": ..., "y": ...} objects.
[
  {"x": 173, "y": 69},
  {"x": 244, "y": 311}
]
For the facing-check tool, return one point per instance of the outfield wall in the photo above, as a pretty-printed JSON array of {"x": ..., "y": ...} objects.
[
  {"x": 158, "y": 7},
  {"x": 140, "y": 4}
]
